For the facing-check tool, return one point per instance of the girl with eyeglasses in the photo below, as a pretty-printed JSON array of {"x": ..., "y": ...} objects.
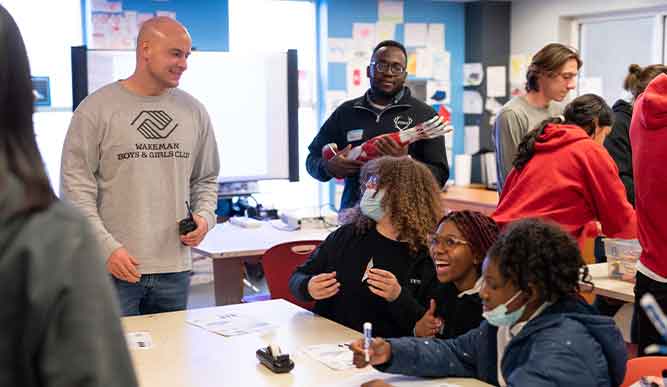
[
  {"x": 376, "y": 267},
  {"x": 457, "y": 248},
  {"x": 538, "y": 331}
]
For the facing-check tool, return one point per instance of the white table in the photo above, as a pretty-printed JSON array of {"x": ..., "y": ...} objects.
[
  {"x": 229, "y": 246},
  {"x": 185, "y": 355},
  {"x": 609, "y": 287}
]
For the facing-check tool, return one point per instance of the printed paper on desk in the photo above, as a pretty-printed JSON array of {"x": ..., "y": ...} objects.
[
  {"x": 338, "y": 357},
  {"x": 368, "y": 374},
  {"x": 139, "y": 340},
  {"x": 230, "y": 324}
]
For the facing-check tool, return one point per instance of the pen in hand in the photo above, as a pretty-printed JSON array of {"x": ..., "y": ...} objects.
[{"x": 368, "y": 336}]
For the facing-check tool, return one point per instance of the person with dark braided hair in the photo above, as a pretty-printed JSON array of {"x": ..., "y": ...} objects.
[
  {"x": 457, "y": 248},
  {"x": 563, "y": 173},
  {"x": 538, "y": 331}
]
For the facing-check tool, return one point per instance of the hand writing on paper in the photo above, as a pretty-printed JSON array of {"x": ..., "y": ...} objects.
[{"x": 379, "y": 352}]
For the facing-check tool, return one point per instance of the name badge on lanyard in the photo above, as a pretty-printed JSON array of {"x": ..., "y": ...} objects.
[{"x": 355, "y": 135}]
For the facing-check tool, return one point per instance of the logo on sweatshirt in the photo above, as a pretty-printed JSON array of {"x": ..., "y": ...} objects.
[
  {"x": 154, "y": 124},
  {"x": 402, "y": 122}
]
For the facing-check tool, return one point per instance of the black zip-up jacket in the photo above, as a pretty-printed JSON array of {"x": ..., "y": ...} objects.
[
  {"x": 347, "y": 251},
  {"x": 356, "y": 121},
  {"x": 618, "y": 146}
]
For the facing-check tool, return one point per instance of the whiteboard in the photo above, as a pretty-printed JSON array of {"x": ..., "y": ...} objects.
[{"x": 245, "y": 96}]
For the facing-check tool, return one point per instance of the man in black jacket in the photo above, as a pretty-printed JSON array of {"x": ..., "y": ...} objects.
[{"x": 386, "y": 107}]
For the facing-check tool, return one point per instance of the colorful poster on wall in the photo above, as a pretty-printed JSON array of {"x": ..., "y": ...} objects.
[
  {"x": 438, "y": 92},
  {"x": 385, "y": 31},
  {"x": 518, "y": 67},
  {"x": 357, "y": 82},
  {"x": 412, "y": 63},
  {"x": 436, "y": 37},
  {"x": 363, "y": 35},
  {"x": 496, "y": 81},
  {"x": 441, "y": 65},
  {"x": 415, "y": 34},
  {"x": 390, "y": 11},
  {"x": 424, "y": 67},
  {"x": 338, "y": 49},
  {"x": 473, "y": 74},
  {"x": 472, "y": 102}
]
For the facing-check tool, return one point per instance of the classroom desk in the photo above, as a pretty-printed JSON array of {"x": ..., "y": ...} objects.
[
  {"x": 609, "y": 287},
  {"x": 186, "y": 355},
  {"x": 229, "y": 246},
  {"x": 474, "y": 199}
]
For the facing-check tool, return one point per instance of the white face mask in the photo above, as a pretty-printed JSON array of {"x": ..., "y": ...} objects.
[
  {"x": 499, "y": 317},
  {"x": 371, "y": 204}
]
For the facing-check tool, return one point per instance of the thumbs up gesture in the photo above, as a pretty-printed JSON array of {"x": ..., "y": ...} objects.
[{"x": 428, "y": 325}]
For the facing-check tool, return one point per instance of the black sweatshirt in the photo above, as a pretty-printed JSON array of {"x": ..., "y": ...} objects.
[
  {"x": 618, "y": 146},
  {"x": 347, "y": 252},
  {"x": 356, "y": 121},
  {"x": 460, "y": 314}
]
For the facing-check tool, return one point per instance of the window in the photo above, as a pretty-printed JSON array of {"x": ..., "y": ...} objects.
[
  {"x": 609, "y": 45},
  {"x": 48, "y": 35},
  {"x": 266, "y": 25}
]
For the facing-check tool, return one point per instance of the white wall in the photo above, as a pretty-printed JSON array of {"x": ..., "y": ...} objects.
[{"x": 538, "y": 22}]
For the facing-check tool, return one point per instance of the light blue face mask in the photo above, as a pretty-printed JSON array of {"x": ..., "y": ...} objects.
[
  {"x": 371, "y": 204},
  {"x": 499, "y": 317}
]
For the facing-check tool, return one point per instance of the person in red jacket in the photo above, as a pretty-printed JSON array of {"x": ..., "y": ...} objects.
[
  {"x": 648, "y": 138},
  {"x": 563, "y": 173}
]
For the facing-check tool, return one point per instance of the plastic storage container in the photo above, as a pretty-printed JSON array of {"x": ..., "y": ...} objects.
[{"x": 622, "y": 256}]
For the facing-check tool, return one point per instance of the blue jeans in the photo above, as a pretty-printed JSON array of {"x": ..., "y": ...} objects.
[{"x": 154, "y": 293}]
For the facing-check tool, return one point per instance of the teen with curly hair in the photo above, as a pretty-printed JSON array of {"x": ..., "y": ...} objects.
[
  {"x": 538, "y": 332},
  {"x": 457, "y": 248},
  {"x": 376, "y": 267},
  {"x": 563, "y": 173}
]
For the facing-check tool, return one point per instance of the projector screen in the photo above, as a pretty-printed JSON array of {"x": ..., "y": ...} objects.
[{"x": 252, "y": 101}]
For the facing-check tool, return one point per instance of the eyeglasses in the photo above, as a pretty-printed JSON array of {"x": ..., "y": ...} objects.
[
  {"x": 386, "y": 68},
  {"x": 448, "y": 242}
]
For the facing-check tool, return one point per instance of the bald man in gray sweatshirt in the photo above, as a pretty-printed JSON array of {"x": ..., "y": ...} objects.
[{"x": 135, "y": 152}]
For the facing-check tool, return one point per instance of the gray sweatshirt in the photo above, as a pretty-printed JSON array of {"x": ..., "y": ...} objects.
[
  {"x": 513, "y": 122},
  {"x": 130, "y": 162},
  {"x": 59, "y": 322}
]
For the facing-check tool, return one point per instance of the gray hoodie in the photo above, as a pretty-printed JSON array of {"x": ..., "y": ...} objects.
[{"x": 59, "y": 325}]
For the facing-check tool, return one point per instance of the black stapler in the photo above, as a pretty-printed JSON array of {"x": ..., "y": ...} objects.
[{"x": 273, "y": 359}]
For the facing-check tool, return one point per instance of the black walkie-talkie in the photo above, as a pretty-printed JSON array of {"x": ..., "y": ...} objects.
[{"x": 188, "y": 224}]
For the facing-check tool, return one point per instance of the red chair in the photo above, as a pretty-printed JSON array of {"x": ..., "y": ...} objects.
[
  {"x": 279, "y": 263},
  {"x": 643, "y": 366}
]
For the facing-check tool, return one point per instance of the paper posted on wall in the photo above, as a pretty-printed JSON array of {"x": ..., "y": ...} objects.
[{"x": 230, "y": 324}]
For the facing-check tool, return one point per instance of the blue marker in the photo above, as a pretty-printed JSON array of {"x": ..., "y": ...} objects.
[{"x": 368, "y": 336}]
